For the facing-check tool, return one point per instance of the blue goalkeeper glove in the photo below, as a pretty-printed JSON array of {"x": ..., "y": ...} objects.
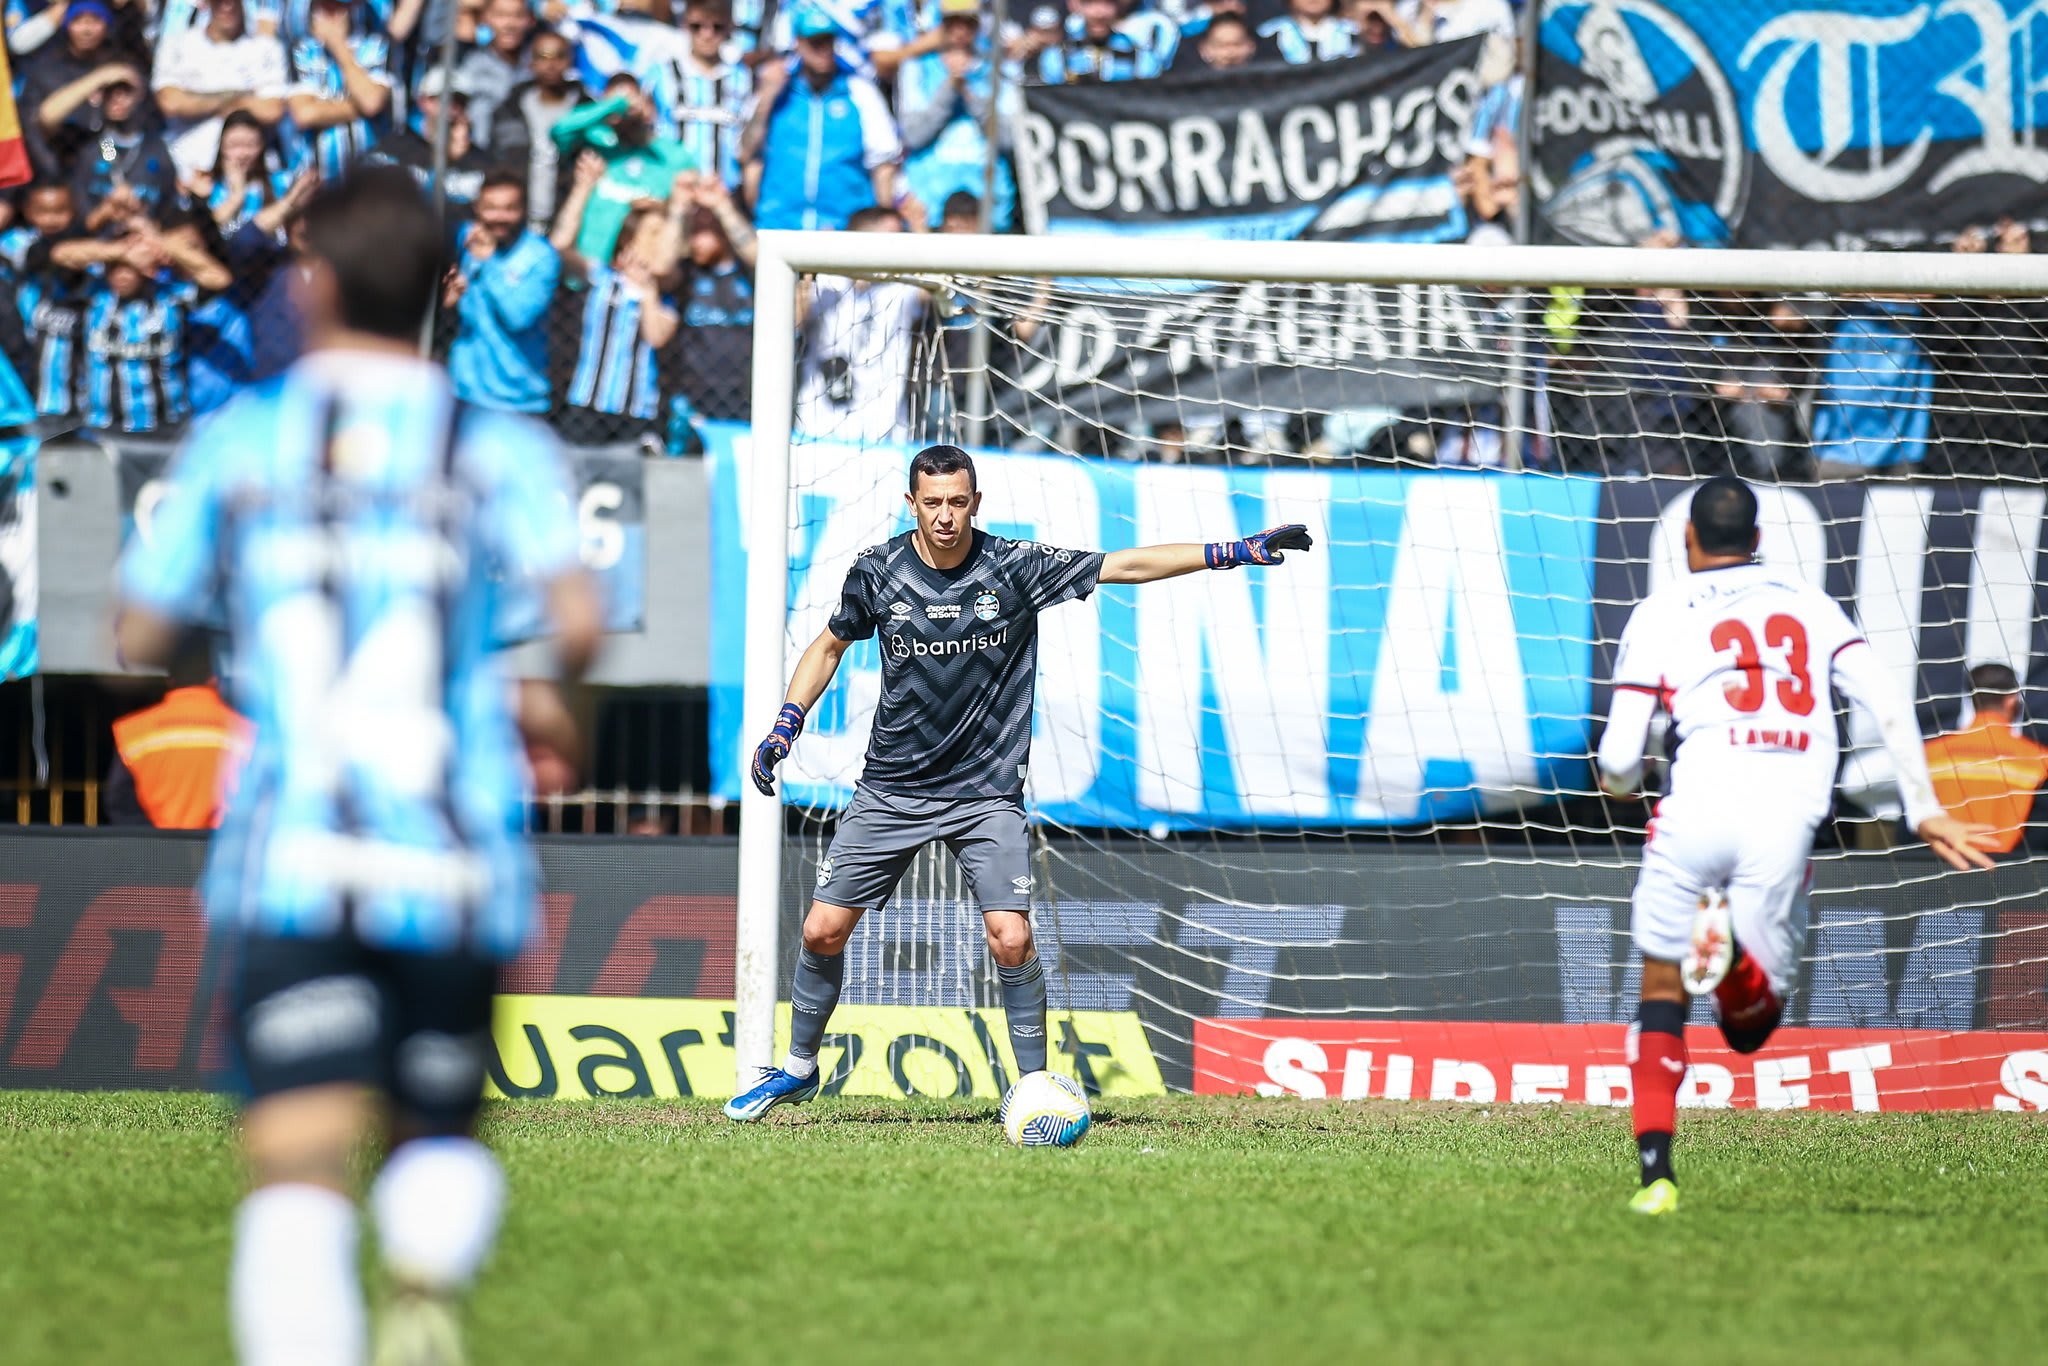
[
  {"x": 789, "y": 723},
  {"x": 1262, "y": 547}
]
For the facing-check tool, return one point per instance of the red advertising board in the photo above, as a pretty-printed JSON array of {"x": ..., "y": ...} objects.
[{"x": 1822, "y": 1069}]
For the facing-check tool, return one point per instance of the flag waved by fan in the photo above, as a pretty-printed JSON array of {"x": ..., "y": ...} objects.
[{"x": 14, "y": 167}]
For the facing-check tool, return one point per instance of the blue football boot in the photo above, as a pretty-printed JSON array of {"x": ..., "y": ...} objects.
[{"x": 776, "y": 1087}]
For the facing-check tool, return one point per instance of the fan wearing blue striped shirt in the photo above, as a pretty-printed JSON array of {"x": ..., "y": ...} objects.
[
  {"x": 614, "y": 389},
  {"x": 368, "y": 542}
]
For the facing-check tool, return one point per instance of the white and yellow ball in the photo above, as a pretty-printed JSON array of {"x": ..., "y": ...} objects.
[{"x": 1045, "y": 1110}]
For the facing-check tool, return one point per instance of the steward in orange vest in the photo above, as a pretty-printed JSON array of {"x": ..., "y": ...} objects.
[
  {"x": 1987, "y": 772},
  {"x": 177, "y": 763}
]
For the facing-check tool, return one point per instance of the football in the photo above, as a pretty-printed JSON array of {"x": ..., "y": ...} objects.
[{"x": 1045, "y": 1109}]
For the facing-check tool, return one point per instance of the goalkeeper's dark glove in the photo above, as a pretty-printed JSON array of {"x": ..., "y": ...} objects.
[
  {"x": 789, "y": 723},
  {"x": 1262, "y": 547}
]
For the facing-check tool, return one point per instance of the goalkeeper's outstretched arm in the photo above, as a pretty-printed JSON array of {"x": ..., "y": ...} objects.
[
  {"x": 1150, "y": 563},
  {"x": 813, "y": 675}
]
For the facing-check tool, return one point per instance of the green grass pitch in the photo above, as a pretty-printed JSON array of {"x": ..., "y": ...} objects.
[{"x": 1183, "y": 1231}]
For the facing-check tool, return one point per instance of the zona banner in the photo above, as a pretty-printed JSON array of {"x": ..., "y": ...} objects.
[
  {"x": 1843, "y": 123},
  {"x": 1338, "y": 691}
]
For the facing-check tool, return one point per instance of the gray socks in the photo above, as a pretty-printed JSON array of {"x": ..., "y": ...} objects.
[
  {"x": 1024, "y": 1005},
  {"x": 811, "y": 999}
]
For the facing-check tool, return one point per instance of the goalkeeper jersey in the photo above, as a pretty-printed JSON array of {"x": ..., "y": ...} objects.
[
  {"x": 959, "y": 658},
  {"x": 367, "y": 544}
]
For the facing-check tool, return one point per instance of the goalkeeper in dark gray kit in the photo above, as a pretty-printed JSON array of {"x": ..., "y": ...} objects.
[{"x": 957, "y": 610}]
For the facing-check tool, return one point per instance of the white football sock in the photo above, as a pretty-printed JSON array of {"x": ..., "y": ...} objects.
[
  {"x": 799, "y": 1067},
  {"x": 293, "y": 1295},
  {"x": 437, "y": 1204}
]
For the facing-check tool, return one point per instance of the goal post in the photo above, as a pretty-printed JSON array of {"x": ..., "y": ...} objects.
[{"x": 1578, "y": 333}]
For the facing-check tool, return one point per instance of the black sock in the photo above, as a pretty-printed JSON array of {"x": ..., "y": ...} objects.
[
  {"x": 1653, "y": 1146},
  {"x": 1655, "y": 1152}
]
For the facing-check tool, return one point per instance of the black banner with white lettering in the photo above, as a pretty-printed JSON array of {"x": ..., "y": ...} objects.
[
  {"x": 1359, "y": 148},
  {"x": 1835, "y": 124}
]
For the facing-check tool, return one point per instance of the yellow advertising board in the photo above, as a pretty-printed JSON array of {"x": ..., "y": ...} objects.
[{"x": 579, "y": 1047}]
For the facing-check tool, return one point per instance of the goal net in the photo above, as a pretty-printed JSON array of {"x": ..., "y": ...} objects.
[{"x": 1331, "y": 829}]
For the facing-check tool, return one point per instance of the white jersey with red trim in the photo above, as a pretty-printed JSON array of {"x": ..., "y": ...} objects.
[{"x": 1744, "y": 660}]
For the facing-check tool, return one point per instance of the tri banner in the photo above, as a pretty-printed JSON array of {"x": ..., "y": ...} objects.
[
  {"x": 1358, "y": 148},
  {"x": 1439, "y": 655},
  {"x": 1835, "y": 123}
]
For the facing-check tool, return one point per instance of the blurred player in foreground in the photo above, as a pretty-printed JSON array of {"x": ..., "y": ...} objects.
[
  {"x": 1748, "y": 663},
  {"x": 366, "y": 542},
  {"x": 957, "y": 610}
]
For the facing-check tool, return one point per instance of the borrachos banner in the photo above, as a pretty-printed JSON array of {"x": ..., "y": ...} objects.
[
  {"x": 1747, "y": 123},
  {"x": 1359, "y": 148},
  {"x": 1429, "y": 660},
  {"x": 1485, "y": 1064}
]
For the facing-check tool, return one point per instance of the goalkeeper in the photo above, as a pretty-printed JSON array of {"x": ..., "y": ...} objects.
[{"x": 957, "y": 610}]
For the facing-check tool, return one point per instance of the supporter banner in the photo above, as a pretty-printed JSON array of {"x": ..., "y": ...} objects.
[
  {"x": 1486, "y": 1064},
  {"x": 18, "y": 582},
  {"x": 1846, "y": 124},
  {"x": 109, "y": 977},
  {"x": 1337, "y": 690},
  {"x": 611, "y": 509},
  {"x": 584, "y": 1047},
  {"x": 1352, "y": 149},
  {"x": 1361, "y": 148},
  {"x": 1340, "y": 690}
]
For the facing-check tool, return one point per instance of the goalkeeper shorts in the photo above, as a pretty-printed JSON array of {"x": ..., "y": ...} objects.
[{"x": 881, "y": 833}]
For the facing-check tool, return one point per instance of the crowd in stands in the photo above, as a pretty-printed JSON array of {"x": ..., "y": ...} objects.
[{"x": 608, "y": 164}]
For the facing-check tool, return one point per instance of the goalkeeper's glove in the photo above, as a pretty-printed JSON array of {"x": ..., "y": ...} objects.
[
  {"x": 789, "y": 723},
  {"x": 1262, "y": 547}
]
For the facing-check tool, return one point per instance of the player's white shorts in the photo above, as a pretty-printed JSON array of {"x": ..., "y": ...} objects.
[{"x": 1760, "y": 859}]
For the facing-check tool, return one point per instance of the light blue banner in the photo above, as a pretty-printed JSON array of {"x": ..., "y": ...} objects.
[
  {"x": 18, "y": 614},
  {"x": 1843, "y": 123},
  {"x": 1430, "y": 659}
]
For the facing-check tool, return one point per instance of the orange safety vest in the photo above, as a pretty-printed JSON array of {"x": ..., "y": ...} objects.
[
  {"x": 1987, "y": 774},
  {"x": 185, "y": 754}
]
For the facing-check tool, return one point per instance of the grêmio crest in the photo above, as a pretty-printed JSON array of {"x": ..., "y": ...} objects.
[
  {"x": 1638, "y": 131},
  {"x": 1734, "y": 122}
]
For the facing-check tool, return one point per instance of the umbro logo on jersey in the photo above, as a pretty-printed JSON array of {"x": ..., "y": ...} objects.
[
  {"x": 1020, "y": 885},
  {"x": 899, "y": 610},
  {"x": 987, "y": 607}
]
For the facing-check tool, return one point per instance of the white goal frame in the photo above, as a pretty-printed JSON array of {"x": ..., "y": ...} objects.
[{"x": 784, "y": 255}]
